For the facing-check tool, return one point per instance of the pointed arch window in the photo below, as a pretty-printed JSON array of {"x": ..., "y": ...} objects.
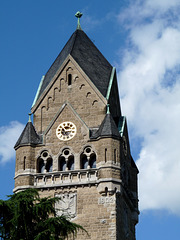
[
  {"x": 49, "y": 165},
  {"x": 70, "y": 164},
  {"x": 88, "y": 158},
  {"x": 66, "y": 160},
  {"x": 84, "y": 161},
  {"x": 62, "y": 166},
  {"x": 41, "y": 166},
  {"x": 92, "y": 162},
  {"x": 44, "y": 163}
]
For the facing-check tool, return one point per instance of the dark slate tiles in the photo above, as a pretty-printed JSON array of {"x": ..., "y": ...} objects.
[
  {"x": 28, "y": 136},
  {"x": 107, "y": 128},
  {"x": 89, "y": 58}
]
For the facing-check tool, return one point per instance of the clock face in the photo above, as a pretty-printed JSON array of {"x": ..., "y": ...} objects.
[{"x": 66, "y": 131}]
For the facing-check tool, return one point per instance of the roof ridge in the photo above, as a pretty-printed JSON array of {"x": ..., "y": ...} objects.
[{"x": 75, "y": 33}]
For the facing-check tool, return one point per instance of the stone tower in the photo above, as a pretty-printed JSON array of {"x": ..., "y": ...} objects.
[{"x": 77, "y": 146}]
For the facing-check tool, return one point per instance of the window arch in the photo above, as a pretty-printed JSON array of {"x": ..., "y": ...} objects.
[
  {"x": 70, "y": 163},
  {"x": 49, "y": 165},
  {"x": 84, "y": 161},
  {"x": 45, "y": 162},
  {"x": 92, "y": 161},
  {"x": 62, "y": 164},
  {"x": 88, "y": 158},
  {"x": 66, "y": 160},
  {"x": 41, "y": 166}
]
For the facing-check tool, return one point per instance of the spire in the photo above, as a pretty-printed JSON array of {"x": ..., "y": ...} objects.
[
  {"x": 28, "y": 136},
  {"x": 78, "y": 15},
  {"x": 107, "y": 128},
  {"x": 89, "y": 58}
]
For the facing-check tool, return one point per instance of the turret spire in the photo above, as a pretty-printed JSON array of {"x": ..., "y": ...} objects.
[{"x": 78, "y": 15}]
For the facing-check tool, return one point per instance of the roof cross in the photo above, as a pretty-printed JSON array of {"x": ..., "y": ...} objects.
[{"x": 78, "y": 15}]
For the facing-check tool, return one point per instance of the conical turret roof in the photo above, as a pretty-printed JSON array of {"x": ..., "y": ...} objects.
[
  {"x": 28, "y": 136},
  {"x": 107, "y": 128}
]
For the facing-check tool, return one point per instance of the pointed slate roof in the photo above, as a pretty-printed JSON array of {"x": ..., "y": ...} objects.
[
  {"x": 107, "y": 128},
  {"x": 28, "y": 136},
  {"x": 89, "y": 58}
]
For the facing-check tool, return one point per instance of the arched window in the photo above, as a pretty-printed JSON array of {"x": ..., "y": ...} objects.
[
  {"x": 66, "y": 160},
  {"x": 84, "y": 161},
  {"x": 88, "y": 158},
  {"x": 45, "y": 162},
  {"x": 70, "y": 163},
  {"x": 62, "y": 165},
  {"x": 92, "y": 162},
  {"x": 41, "y": 166},
  {"x": 49, "y": 165},
  {"x": 69, "y": 79}
]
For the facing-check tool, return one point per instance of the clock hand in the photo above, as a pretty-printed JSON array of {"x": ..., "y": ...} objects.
[
  {"x": 63, "y": 131},
  {"x": 67, "y": 132}
]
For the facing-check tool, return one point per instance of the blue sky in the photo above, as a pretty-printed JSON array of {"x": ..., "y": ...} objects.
[{"x": 142, "y": 40}]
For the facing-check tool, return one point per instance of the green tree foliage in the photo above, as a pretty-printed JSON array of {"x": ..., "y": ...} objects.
[{"x": 26, "y": 216}]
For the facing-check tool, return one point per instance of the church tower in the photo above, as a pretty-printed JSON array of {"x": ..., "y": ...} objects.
[{"x": 77, "y": 146}]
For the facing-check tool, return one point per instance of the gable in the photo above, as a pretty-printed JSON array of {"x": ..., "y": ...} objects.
[
  {"x": 66, "y": 113},
  {"x": 84, "y": 97}
]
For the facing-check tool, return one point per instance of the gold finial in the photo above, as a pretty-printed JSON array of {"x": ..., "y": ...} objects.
[{"x": 78, "y": 15}]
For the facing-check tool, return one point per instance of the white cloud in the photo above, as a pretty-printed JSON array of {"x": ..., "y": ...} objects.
[
  {"x": 148, "y": 10},
  {"x": 8, "y": 136},
  {"x": 163, "y": 5},
  {"x": 150, "y": 91}
]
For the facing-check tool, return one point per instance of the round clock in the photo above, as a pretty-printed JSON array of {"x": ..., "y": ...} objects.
[{"x": 66, "y": 131}]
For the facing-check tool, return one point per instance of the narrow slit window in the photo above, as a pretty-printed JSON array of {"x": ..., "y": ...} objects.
[
  {"x": 24, "y": 163},
  {"x": 115, "y": 155},
  {"x": 105, "y": 157},
  {"x": 69, "y": 79}
]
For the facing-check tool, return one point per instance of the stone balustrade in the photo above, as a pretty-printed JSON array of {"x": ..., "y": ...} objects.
[{"x": 63, "y": 178}]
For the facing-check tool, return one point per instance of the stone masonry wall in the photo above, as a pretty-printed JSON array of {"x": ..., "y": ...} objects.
[
  {"x": 80, "y": 94},
  {"x": 96, "y": 213}
]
